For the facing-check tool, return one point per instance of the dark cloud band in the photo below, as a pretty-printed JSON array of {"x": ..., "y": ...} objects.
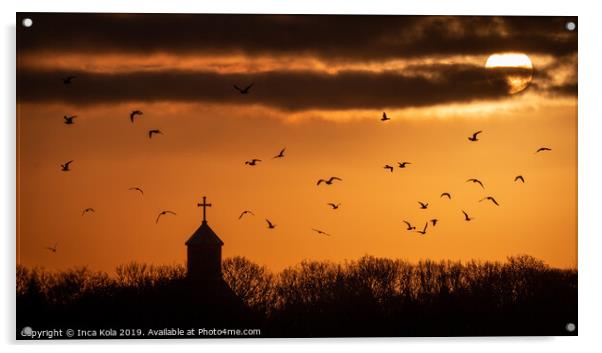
[
  {"x": 342, "y": 37},
  {"x": 287, "y": 90}
]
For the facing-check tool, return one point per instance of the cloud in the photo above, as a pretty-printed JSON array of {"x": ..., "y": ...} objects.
[
  {"x": 286, "y": 90},
  {"x": 336, "y": 38}
]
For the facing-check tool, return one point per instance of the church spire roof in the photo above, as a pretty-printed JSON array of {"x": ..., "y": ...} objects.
[{"x": 204, "y": 235}]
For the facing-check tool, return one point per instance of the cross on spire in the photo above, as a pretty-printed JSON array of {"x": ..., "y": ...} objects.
[{"x": 204, "y": 205}]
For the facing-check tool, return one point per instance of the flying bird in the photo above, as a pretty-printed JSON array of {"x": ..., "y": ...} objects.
[
  {"x": 89, "y": 209},
  {"x": 490, "y": 198},
  {"x": 389, "y": 167},
  {"x": 243, "y": 90},
  {"x": 403, "y": 164},
  {"x": 69, "y": 119},
  {"x": 410, "y": 226},
  {"x": 281, "y": 154},
  {"x": 68, "y": 80},
  {"x": 270, "y": 225},
  {"x": 253, "y": 161},
  {"x": 542, "y": 149},
  {"x": 446, "y": 194},
  {"x": 134, "y": 113},
  {"x": 466, "y": 217},
  {"x": 385, "y": 117},
  {"x": 137, "y": 189},
  {"x": 434, "y": 221},
  {"x": 519, "y": 177},
  {"x": 334, "y": 206},
  {"x": 154, "y": 131},
  {"x": 423, "y": 205},
  {"x": 320, "y": 232},
  {"x": 329, "y": 181},
  {"x": 477, "y": 181},
  {"x": 474, "y": 138},
  {"x": 65, "y": 167},
  {"x": 244, "y": 213},
  {"x": 51, "y": 248},
  {"x": 423, "y": 231},
  {"x": 164, "y": 213}
]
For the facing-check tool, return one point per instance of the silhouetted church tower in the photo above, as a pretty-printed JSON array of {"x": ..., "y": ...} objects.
[{"x": 204, "y": 252}]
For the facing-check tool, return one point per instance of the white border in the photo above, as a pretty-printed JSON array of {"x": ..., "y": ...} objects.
[{"x": 589, "y": 166}]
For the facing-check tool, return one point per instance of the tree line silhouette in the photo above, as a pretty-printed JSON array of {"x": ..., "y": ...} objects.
[{"x": 365, "y": 297}]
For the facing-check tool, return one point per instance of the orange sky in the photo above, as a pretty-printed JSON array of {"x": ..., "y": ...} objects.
[{"x": 205, "y": 144}]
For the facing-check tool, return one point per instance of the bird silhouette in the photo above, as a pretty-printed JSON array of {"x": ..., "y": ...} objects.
[
  {"x": 281, "y": 154},
  {"x": 410, "y": 226},
  {"x": 270, "y": 224},
  {"x": 89, "y": 209},
  {"x": 135, "y": 188},
  {"x": 542, "y": 149},
  {"x": 446, "y": 194},
  {"x": 69, "y": 119},
  {"x": 389, "y": 167},
  {"x": 243, "y": 90},
  {"x": 477, "y": 181},
  {"x": 134, "y": 113},
  {"x": 329, "y": 181},
  {"x": 245, "y": 212},
  {"x": 490, "y": 198},
  {"x": 423, "y": 205},
  {"x": 403, "y": 164},
  {"x": 466, "y": 217},
  {"x": 163, "y": 213},
  {"x": 154, "y": 132},
  {"x": 474, "y": 138},
  {"x": 320, "y": 232},
  {"x": 423, "y": 231},
  {"x": 434, "y": 221},
  {"x": 519, "y": 177},
  {"x": 65, "y": 167},
  {"x": 334, "y": 206},
  {"x": 253, "y": 162},
  {"x": 385, "y": 117},
  {"x": 68, "y": 80},
  {"x": 51, "y": 248}
]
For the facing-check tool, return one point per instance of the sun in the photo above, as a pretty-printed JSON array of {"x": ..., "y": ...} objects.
[
  {"x": 509, "y": 60},
  {"x": 515, "y": 68}
]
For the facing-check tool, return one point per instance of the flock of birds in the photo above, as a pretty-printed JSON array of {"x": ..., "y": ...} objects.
[
  {"x": 135, "y": 114},
  {"x": 467, "y": 217},
  {"x": 402, "y": 165}
]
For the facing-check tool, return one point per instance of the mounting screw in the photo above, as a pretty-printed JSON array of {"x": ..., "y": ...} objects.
[
  {"x": 570, "y": 26},
  {"x": 26, "y": 331},
  {"x": 27, "y": 22},
  {"x": 570, "y": 327}
]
